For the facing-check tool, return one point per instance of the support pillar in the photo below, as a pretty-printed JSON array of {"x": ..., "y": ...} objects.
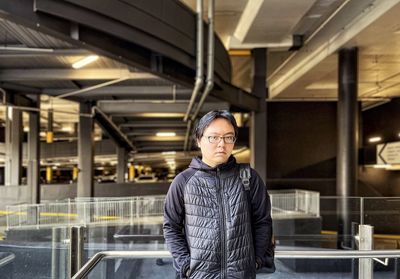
[
  {"x": 347, "y": 145},
  {"x": 85, "y": 152},
  {"x": 121, "y": 165},
  {"x": 33, "y": 174},
  {"x": 258, "y": 129},
  {"x": 13, "y": 142}
]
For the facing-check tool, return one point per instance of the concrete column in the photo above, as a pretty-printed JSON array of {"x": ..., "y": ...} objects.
[
  {"x": 33, "y": 176},
  {"x": 85, "y": 152},
  {"x": 258, "y": 129},
  {"x": 121, "y": 165},
  {"x": 14, "y": 134},
  {"x": 347, "y": 145}
]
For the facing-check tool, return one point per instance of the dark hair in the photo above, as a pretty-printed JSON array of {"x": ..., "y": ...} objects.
[{"x": 209, "y": 117}]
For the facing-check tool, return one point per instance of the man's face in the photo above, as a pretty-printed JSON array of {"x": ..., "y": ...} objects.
[{"x": 218, "y": 152}]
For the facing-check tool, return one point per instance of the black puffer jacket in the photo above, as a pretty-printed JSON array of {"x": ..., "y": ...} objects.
[{"x": 207, "y": 225}]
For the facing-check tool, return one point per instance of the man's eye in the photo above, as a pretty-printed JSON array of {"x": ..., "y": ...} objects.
[
  {"x": 215, "y": 137},
  {"x": 230, "y": 138}
]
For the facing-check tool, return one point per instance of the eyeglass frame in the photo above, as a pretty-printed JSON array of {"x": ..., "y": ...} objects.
[{"x": 221, "y": 138}]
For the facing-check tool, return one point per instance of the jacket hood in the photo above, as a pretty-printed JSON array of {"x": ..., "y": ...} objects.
[{"x": 198, "y": 164}]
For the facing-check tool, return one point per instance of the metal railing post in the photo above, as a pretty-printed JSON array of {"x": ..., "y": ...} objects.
[
  {"x": 76, "y": 249},
  {"x": 365, "y": 266},
  {"x": 55, "y": 257}
]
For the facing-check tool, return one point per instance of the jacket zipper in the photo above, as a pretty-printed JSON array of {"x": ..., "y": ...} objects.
[{"x": 223, "y": 226}]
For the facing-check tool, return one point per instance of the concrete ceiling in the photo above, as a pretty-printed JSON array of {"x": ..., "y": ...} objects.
[
  {"x": 307, "y": 73},
  {"x": 326, "y": 26}
]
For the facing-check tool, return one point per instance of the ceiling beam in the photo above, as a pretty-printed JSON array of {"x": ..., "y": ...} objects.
[
  {"x": 164, "y": 91},
  {"x": 132, "y": 107},
  {"x": 70, "y": 74},
  {"x": 247, "y": 19},
  {"x": 27, "y": 53},
  {"x": 112, "y": 130},
  {"x": 350, "y": 21}
]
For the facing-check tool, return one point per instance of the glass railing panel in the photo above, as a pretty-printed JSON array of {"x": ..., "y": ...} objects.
[
  {"x": 383, "y": 213},
  {"x": 37, "y": 253}
]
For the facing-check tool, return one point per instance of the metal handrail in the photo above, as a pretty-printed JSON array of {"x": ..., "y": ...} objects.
[
  {"x": 6, "y": 260},
  {"x": 297, "y": 254}
]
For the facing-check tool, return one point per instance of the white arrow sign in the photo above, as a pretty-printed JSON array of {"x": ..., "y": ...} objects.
[{"x": 388, "y": 153}]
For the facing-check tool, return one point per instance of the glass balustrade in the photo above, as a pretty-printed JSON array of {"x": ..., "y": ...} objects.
[{"x": 38, "y": 236}]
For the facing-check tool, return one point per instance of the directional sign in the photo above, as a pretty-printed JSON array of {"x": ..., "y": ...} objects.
[{"x": 388, "y": 153}]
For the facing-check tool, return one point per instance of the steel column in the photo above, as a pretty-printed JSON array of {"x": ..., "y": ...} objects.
[
  {"x": 258, "y": 129},
  {"x": 347, "y": 159},
  {"x": 34, "y": 154},
  {"x": 121, "y": 165},
  {"x": 85, "y": 152}
]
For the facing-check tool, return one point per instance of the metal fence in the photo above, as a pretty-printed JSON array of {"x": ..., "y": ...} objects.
[
  {"x": 294, "y": 203},
  {"x": 132, "y": 210}
]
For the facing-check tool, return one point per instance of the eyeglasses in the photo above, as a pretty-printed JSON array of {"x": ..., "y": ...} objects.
[{"x": 217, "y": 139}]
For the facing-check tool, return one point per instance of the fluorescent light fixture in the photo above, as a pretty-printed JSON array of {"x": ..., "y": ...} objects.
[
  {"x": 379, "y": 166},
  {"x": 174, "y": 152},
  {"x": 85, "y": 61},
  {"x": 375, "y": 139},
  {"x": 314, "y": 16},
  {"x": 166, "y": 134},
  {"x": 67, "y": 129},
  {"x": 10, "y": 113},
  {"x": 26, "y": 129}
]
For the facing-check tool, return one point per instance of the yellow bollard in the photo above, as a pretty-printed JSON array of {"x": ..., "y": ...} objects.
[{"x": 49, "y": 174}]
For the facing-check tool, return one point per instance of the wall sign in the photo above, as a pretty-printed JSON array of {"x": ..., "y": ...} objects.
[{"x": 388, "y": 153}]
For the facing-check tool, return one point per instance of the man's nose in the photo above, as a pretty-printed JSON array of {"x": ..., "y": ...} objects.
[{"x": 221, "y": 142}]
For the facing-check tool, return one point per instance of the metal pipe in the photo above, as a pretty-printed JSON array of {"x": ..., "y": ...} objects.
[
  {"x": 323, "y": 254},
  {"x": 199, "y": 59},
  {"x": 6, "y": 260},
  {"x": 3, "y": 99},
  {"x": 211, "y": 54},
  {"x": 187, "y": 136}
]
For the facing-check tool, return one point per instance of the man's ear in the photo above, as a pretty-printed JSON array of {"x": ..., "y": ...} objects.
[{"x": 198, "y": 143}]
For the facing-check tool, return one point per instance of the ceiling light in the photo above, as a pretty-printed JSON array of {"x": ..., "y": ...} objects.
[
  {"x": 85, "y": 61},
  {"x": 166, "y": 134},
  {"x": 26, "y": 129},
  {"x": 379, "y": 166},
  {"x": 174, "y": 152},
  {"x": 314, "y": 16},
  {"x": 67, "y": 129},
  {"x": 375, "y": 139}
]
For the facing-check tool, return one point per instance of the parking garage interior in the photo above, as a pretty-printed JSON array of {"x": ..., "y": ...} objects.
[{"x": 99, "y": 100}]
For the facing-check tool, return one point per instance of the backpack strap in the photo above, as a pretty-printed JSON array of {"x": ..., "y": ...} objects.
[{"x": 245, "y": 175}]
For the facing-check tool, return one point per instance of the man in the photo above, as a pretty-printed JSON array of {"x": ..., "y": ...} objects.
[{"x": 213, "y": 227}]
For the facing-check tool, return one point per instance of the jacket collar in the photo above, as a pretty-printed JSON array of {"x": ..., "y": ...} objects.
[{"x": 198, "y": 164}]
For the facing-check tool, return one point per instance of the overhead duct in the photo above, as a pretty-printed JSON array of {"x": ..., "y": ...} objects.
[
  {"x": 199, "y": 59},
  {"x": 211, "y": 54}
]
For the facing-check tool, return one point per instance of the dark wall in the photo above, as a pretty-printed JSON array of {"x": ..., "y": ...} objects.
[
  {"x": 302, "y": 146},
  {"x": 383, "y": 121}
]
